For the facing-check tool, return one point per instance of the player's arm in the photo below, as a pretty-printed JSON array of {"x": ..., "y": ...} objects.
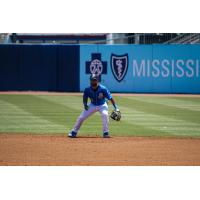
[
  {"x": 109, "y": 97},
  {"x": 85, "y": 100},
  {"x": 114, "y": 104}
]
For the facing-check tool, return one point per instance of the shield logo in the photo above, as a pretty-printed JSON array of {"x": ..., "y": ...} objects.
[
  {"x": 119, "y": 66},
  {"x": 96, "y": 67}
]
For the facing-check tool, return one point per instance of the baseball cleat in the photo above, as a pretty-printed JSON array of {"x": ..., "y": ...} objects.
[
  {"x": 72, "y": 134},
  {"x": 106, "y": 135}
]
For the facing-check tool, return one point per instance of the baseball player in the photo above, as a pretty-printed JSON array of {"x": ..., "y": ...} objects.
[{"x": 98, "y": 95}]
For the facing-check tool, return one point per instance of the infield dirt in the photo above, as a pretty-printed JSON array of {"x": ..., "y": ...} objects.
[{"x": 43, "y": 150}]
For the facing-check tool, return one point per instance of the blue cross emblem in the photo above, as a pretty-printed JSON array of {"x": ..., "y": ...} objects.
[{"x": 96, "y": 65}]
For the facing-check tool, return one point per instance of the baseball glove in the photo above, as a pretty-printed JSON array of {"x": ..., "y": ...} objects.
[{"x": 115, "y": 115}]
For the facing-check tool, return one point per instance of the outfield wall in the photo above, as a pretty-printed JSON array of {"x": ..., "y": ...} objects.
[
  {"x": 39, "y": 67},
  {"x": 123, "y": 68},
  {"x": 143, "y": 68}
]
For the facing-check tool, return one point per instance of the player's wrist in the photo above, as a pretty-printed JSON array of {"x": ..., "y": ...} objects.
[{"x": 115, "y": 107}]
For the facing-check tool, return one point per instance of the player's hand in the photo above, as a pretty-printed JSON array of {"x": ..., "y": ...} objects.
[
  {"x": 86, "y": 107},
  {"x": 117, "y": 109}
]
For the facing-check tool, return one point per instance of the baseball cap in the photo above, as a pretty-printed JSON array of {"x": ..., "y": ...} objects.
[{"x": 94, "y": 77}]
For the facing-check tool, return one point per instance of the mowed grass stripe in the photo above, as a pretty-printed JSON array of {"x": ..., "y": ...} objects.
[
  {"x": 162, "y": 110},
  {"x": 161, "y": 124},
  {"x": 48, "y": 110},
  {"x": 93, "y": 124},
  {"x": 15, "y": 119},
  {"x": 158, "y": 117},
  {"x": 55, "y": 113},
  {"x": 43, "y": 106},
  {"x": 70, "y": 102},
  {"x": 190, "y": 99},
  {"x": 181, "y": 102}
]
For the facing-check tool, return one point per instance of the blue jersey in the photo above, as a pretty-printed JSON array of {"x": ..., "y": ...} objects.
[{"x": 99, "y": 96}]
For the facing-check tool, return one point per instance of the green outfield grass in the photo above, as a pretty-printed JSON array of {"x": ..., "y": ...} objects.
[{"x": 141, "y": 115}]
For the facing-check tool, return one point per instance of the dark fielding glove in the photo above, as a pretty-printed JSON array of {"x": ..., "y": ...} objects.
[
  {"x": 116, "y": 115},
  {"x": 86, "y": 107}
]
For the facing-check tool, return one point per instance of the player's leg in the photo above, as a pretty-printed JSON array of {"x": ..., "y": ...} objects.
[
  {"x": 83, "y": 116},
  {"x": 105, "y": 119}
]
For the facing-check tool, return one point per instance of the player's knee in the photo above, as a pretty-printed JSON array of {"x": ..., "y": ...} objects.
[
  {"x": 104, "y": 114},
  {"x": 81, "y": 118}
]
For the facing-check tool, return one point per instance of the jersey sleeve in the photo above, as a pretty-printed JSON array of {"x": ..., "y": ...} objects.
[
  {"x": 85, "y": 96},
  {"x": 85, "y": 93},
  {"x": 107, "y": 94}
]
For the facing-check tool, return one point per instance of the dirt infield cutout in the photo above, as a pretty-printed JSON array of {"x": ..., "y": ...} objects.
[{"x": 39, "y": 150}]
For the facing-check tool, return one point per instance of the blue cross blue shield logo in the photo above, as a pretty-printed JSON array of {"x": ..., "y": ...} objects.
[
  {"x": 119, "y": 66},
  {"x": 96, "y": 65}
]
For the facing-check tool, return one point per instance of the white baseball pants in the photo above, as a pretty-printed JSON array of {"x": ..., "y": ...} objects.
[{"x": 103, "y": 110}]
